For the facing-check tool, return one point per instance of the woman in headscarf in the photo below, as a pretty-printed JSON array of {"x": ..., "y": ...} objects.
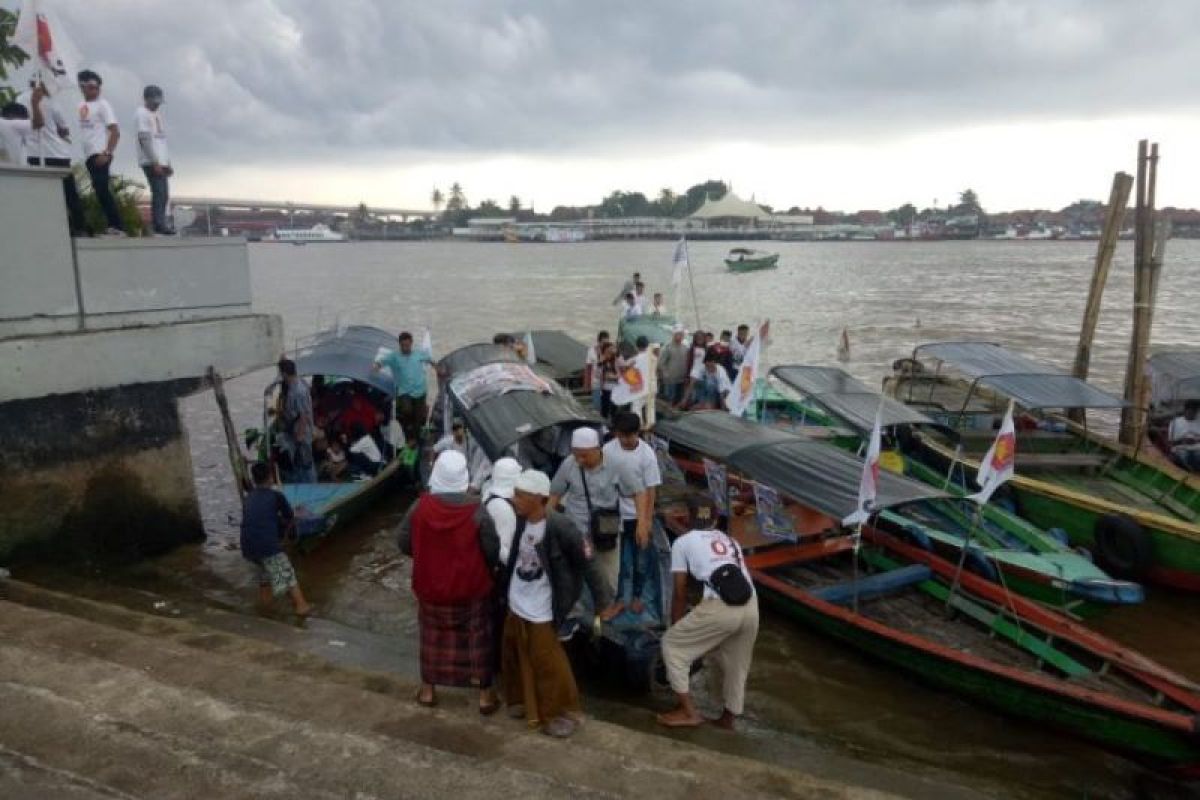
[{"x": 454, "y": 550}]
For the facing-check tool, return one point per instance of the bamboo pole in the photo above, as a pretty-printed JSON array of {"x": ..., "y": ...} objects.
[
  {"x": 236, "y": 460},
  {"x": 1143, "y": 302},
  {"x": 1114, "y": 218}
]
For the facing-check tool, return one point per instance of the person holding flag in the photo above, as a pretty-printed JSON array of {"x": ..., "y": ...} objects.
[
  {"x": 742, "y": 392},
  {"x": 1000, "y": 461},
  {"x": 633, "y": 380}
]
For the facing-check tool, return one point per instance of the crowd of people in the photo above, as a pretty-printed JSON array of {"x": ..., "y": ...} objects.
[{"x": 36, "y": 132}]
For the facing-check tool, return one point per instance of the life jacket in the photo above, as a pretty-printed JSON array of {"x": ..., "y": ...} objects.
[{"x": 448, "y": 563}]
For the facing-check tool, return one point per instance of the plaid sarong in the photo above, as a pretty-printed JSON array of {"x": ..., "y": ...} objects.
[{"x": 457, "y": 644}]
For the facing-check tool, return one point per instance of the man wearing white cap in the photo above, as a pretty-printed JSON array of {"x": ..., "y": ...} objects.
[
  {"x": 590, "y": 488},
  {"x": 549, "y": 562},
  {"x": 497, "y": 501}
]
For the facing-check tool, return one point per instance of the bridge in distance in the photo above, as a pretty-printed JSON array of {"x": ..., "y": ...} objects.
[{"x": 292, "y": 207}]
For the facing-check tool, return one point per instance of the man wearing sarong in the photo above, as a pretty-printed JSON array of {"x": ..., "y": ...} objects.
[
  {"x": 549, "y": 563},
  {"x": 454, "y": 550}
]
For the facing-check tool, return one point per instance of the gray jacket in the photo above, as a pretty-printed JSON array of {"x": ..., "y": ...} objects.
[
  {"x": 672, "y": 363},
  {"x": 568, "y": 559}
]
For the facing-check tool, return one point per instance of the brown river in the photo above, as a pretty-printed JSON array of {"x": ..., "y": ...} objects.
[{"x": 811, "y": 704}]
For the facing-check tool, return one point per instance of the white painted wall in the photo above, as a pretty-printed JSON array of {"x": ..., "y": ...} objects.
[{"x": 37, "y": 277}]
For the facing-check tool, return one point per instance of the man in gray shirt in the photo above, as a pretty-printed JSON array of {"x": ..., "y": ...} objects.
[
  {"x": 672, "y": 367},
  {"x": 298, "y": 423},
  {"x": 587, "y": 475}
]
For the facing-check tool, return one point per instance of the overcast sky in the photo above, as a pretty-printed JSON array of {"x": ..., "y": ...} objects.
[{"x": 848, "y": 105}]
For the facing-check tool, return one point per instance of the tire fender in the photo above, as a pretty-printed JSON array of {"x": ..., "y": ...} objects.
[{"x": 1122, "y": 546}]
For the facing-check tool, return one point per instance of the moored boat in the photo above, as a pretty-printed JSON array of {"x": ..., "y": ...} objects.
[
  {"x": 1175, "y": 380},
  {"x": 657, "y": 328},
  {"x": 745, "y": 259},
  {"x": 1139, "y": 515}
]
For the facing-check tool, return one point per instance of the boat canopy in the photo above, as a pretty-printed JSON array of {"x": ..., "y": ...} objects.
[
  {"x": 562, "y": 356},
  {"x": 503, "y": 400},
  {"x": 1176, "y": 376},
  {"x": 348, "y": 353},
  {"x": 816, "y": 475},
  {"x": 847, "y": 397},
  {"x": 1031, "y": 384}
]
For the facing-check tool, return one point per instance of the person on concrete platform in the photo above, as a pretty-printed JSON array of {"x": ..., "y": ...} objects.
[
  {"x": 723, "y": 627},
  {"x": 100, "y": 134},
  {"x": 408, "y": 371},
  {"x": 627, "y": 450},
  {"x": 267, "y": 519},
  {"x": 549, "y": 563},
  {"x": 153, "y": 156},
  {"x": 454, "y": 551},
  {"x": 15, "y": 131},
  {"x": 1184, "y": 437},
  {"x": 51, "y": 147},
  {"x": 297, "y": 419}
]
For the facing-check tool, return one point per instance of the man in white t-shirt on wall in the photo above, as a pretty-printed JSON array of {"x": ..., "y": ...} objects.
[
  {"x": 51, "y": 147},
  {"x": 100, "y": 134},
  {"x": 626, "y": 450},
  {"x": 1184, "y": 436},
  {"x": 724, "y": 633},
  {"x": 153, "y": 156}
]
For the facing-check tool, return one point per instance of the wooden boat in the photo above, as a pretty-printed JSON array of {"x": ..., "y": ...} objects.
[
  {"x": 560, "y": 355},
  {"x": 511, "y": 409},
  {"x": 828, "y": 404},
  {"x": 1138, "y": 514},
  {"x": 996, "y": 648},
  {"x": 744, "y": 259},
  {"x": 657, "y": 328},
  {"x": 343, "y": 361},
  {"x": 1175, "y": 378}
]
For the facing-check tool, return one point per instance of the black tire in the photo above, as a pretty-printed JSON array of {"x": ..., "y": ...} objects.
[{"x": 1122, "y": 547}]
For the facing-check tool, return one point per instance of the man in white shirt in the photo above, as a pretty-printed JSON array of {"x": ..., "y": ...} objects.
[
  {"x": 593, "y": 372},
  {"x": 739, "y": 345},
  {"x": 715, "y": 629},
  {"x": 51, "y": 147},
  {"x": 627, "y": 450},
  {"x": 708, "y": 385},
  {"x": 1184, "y": 436},
  {"x": 153, "y": 156},
  {"x": 100, "y": 134},
  {"x": 15, "y": 131},
  {"x": 659, "y": 306},
  {"x": 631, "y": 308}
]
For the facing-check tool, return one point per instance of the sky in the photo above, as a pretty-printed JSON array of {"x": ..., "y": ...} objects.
[{"x": 845, "y": 105}]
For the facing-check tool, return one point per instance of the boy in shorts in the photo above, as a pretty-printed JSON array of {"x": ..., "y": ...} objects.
[{"x": 266, "y": 517}]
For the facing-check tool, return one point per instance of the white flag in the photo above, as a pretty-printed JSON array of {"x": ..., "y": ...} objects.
[
  {"x": 632, "y": 380},
  {"x": 530, "y": 353},
  {"x": 741, "y": 393},
  {"x": 680, "y": 260},
  {"x": 51, "y": 54},
  {"x": 999, "y": 463},
  {"x": 868, "y": 487},
  {"x": 427, "y": 343}
]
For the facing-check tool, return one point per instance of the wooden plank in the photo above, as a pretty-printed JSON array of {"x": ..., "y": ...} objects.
[
  {"x": 782, "y": 555},
  {"x": 236, "y": 460}
]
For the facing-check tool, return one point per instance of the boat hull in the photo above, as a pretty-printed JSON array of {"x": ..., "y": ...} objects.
[{"x": 752, "y": 264}]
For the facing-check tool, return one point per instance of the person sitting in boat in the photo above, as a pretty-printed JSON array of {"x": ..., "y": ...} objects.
[
  {"x": 659, "y": 306},
  {"x": 708, "y": 386},
  {"x": 725, "y": 623},
  {"x": 364, "y": 455},
  {"x": 334, "y": 467},
  {"x": 1184, "y": 437},
  {"x": 631, "y": 308}
]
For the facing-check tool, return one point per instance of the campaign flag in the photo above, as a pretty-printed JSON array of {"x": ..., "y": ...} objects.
[
  {"x": 868, "y": 487},
  {"x": 741, "y": 394},
  {"x": 530, "y": 353},
  {"x": 680, "y": 261},
  {"x": 773, "y": 518},
  {"x": 427, "y": 343},
  {"x": 632, "y": 382},
  {"x": 51, "y": 54},
  {"x": 718, "y": 485},
  {"x": 998, "y": 465}
]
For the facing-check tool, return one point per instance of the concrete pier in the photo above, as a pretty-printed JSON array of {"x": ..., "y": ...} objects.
[{"x": 98, "y": 340}]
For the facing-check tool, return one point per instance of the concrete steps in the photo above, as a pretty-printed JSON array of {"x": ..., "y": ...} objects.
[{"x": 102, "y": 701}]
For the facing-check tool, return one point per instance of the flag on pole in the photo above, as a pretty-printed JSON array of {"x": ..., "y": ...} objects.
[
  {"x": 632, "y": 380},
  {"x": 427, "y": 343},
  {"x": 999, "y": 463},
  {"x": 680, "y": 260},
  {"x": 51, "y": 54},
  {"x": 530, "y": 353},
  {"x": 742, "y": 392},
  {"x": 868, "y": 487}
]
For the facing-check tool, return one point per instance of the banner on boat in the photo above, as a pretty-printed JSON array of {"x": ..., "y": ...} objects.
[
  {"x": 492, "y": 380},
  {"x": 868, "y": 486},
  {"x": 718, "y": 485},
  {"x": 774, "y": 521},
  {"x": 998, "y": 464}
]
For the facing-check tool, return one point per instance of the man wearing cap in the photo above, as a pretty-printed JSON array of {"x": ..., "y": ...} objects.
[
  {"x": 547, "y": 567},
  {"x": 715, "y": 629},
  {"x": 590, "y": 487},
  {"x": 672, "y": 367},
  {"x": 153, "y": 156}
]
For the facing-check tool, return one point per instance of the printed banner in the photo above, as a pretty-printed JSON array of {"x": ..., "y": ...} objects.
[
  {"x": 717, "y": 485},
  {"x": 773, "y": 518}
]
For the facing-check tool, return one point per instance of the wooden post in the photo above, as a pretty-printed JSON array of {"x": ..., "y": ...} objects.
[
  {"x": 1132, "y": 426},
  {"x": 236, "y": 460},
  {"x": 1114, "y": 218}
]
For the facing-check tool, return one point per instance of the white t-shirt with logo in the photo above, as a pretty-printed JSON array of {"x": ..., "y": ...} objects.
[
  {"x": 720, "y": 378},
  {"x": 641, "y": 462},
  {"x": 700, "y": 552},
  {"x": 14, "y": 135},
  {"x": 45, "y": 142},
  {"x": 529, "y": 594},
  {"x": 94, "y": 118},
  {"x": 151, "y": 122}
]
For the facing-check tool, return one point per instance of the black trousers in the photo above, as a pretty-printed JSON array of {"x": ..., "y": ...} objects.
[
  {"x": 70, "y": 193},
  {"x": 104, "y": 195}
]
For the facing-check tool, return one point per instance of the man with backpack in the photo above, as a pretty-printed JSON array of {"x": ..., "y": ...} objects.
[{"x": 724, "y": 625}]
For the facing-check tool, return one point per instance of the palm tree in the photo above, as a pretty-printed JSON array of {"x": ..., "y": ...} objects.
[
  {"x": 666, "y": 202},
  {"x": 458, "y": 200},
  {"x": 514, "y": 205},
  {"x": 437, "y": 198}
]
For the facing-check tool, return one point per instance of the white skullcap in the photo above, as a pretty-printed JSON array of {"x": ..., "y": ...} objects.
[
  {"x": 449, "y": 474},
  {"x": 584, "y": 439},
  {"x": 504, "y": 477},
  {"x": 533, "y": 481}
]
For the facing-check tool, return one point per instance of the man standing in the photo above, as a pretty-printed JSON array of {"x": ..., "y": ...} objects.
[
  {"x": 100, "y": 133},
  {"x": 51, "y": 147},
  {"x": 659, "y": 306},
  {"x": 672, "y": 367},
  {"x": 298, "y": 423},
  {"x": 628, "y": 288},
  {"x": 549, "y": 563},
  {"x": 593, "y": 371},
  {"x": 739, "y": 345},
  {"x": 153, "y": 156},
  {"x": 590, "y": 488},
  {"x": 628, "y": 452},
  {"x": 723, "y": 629},
  {"x": 408, "y": 373}
]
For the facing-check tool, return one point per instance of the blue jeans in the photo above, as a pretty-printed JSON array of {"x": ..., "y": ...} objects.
[
  {"x": 637, "y": 567},
  {"x": 671, "y": 392},
  {"x": 597, "y": 400},
  {"x": 158, "y": 199}
]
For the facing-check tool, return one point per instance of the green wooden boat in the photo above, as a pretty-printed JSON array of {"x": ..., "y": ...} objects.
[
  {"x": 743, "y": 259},
  {"x": 657, "y": 328},
  {"x": 1138, "y": 513},
  {"x": 997, "y": 648}
]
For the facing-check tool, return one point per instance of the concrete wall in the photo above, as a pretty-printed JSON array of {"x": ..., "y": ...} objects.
[{"x": 37, "y": 273}]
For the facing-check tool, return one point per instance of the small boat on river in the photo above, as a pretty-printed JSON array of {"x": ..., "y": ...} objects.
[
  {"x": 914, "y": 611},
  {"x": 745, "y": 259},
  {"x": 1139, "y": 515}
]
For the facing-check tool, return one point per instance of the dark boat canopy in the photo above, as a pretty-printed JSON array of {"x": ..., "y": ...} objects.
[
  {"x": 348, "y": 353},
  {"x": 813, "y": 474},
  {"x": 847, "y": 397},
  {"x": 503, "y": 400},
  {"x": 560, "y": 355},
  {"x": 1031, "y": 384},
  {"x": 1176, "y": 376}
]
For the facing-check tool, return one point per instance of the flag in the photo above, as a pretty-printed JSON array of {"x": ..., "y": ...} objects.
[
  {"x": 868, "y": 487},
  {"x": 742, "y": 392},
  {"x": 997, "y": 466},
  {"x": 530, "y": 353},
  {"x": 680, "y": 260},
  {"x": 51, "y": 54},
  {"x": 427, "y": 343},
  {"x": 632, "y": 383}
]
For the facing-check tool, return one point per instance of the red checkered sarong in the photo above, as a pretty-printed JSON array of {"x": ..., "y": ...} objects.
[{"x": 457, "y": 644}]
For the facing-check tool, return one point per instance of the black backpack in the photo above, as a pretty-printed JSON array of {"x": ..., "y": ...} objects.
[{"x": 729, "y": 581}]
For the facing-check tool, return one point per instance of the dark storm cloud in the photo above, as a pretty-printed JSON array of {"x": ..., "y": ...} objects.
[{"x": 362, "y": 79}]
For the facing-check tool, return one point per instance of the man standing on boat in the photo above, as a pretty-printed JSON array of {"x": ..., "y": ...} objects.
[
  {"x": 672, "y": 367},
  {"x": 408, "y": 373},
  {"x": 100, "y": 134},
  {"x": 627, "y": 450},
  {"x": 628, "y": 288},
  {"x": 723, "y": 627},
  {"x": 298, "y": 423}
]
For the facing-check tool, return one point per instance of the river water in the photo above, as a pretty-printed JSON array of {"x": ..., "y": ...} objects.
[{"x": 811, "y": 704}]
